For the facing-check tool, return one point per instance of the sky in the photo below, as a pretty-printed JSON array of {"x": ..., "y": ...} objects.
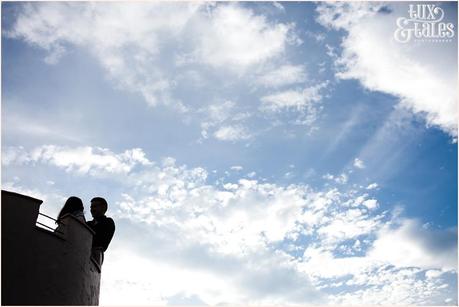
[{"x": 250, "y": 152}]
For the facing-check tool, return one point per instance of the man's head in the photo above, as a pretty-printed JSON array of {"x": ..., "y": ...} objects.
[{"x": 98, "y": 207}]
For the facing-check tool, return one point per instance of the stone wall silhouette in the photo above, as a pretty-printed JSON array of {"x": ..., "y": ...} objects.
[{"x": 42, "y": 267}]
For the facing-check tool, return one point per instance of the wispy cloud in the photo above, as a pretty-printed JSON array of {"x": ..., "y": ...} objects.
[
  {"x": 341, "y": 179},
  {"x": 61, "y": 128},
  {"x": 83, "y": 160},
  {"x": 225, "y": 122},
  {"x": 303, "y": 105},
  {"x": 283, "y": 75},
  {"x": 128, "y": 39},
  {"x": 294, "y": 99},
  {"x": 232, "y": 133},
  {"x": 125, "y": 39}
]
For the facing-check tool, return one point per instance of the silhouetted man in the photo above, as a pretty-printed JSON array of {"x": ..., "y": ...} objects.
[{"x": 103, "y": 226}]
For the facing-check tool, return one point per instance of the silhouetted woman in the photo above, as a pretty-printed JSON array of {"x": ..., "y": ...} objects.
[{"x": 73, "y": 206}]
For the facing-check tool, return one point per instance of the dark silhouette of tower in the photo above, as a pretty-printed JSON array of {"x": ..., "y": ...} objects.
[{"x": 44, "y": 267}]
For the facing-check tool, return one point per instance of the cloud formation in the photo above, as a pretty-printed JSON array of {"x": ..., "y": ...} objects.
[
  {"x": 302, "y": 105},
  {"x": 283, "y": 75},
  {"x": 359, "y": 163},
  {"x": 125, "y": 39},
  {"x": 229, "y": 236},
  {"x": 415, "y": 73},
  {"x": 128, "y": 40},
  {"x": 82, "y": 160},
  {"x": 236, "y": 38},
  {"x": 265, "y": 243},
  {"x": 231, "y": 133}
]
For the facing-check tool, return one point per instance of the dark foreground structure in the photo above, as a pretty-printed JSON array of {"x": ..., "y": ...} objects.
[{"x": 41, "y": 266}]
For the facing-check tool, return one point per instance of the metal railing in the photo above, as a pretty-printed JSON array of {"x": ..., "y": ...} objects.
[{"x": 46, "y": 226}]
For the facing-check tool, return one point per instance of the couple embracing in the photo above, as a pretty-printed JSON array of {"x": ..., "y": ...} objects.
[{"x": 103, "y": 226}]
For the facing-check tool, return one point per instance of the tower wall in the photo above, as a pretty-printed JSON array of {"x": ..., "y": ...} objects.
[{"x": 41, "y": 267}]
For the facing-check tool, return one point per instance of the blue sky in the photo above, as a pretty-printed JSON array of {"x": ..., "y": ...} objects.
[{"x": 251, "y": 153}]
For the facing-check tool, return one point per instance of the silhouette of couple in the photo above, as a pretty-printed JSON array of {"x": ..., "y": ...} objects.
[{"x": 103, "y": 226}]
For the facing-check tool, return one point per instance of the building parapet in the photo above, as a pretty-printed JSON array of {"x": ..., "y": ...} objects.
[{"x": 41, "y": 266}]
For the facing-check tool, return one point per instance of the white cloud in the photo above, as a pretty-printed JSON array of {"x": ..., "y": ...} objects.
[
  {"x": 233, "y": 224},
  {"x": 236, "y": 38},
  {"x": 227, "y": 243},
  {"x": 389, "y": 272},
  {"x": 372, "y": 186},
  {"x": 370, "y": 203},
  {"x": 132, "y": 43},
  {"x": 224, "y": 122},
  {"x": 296, "y": 99},
  {"x": 426, "y": 83},
  {"x": 16, "y": 155},
  {"x": 232, "y": 133},
  {"x": 328, "y": 176},
  {"x": 408, "y": 244},
  {"x": 279, "y": 6},
  {"x": 303, "y": 104},
  {"x": 218, "y": 113},
  {"x": 129, "y": 40},
  {"x": 341, "y": 179},
  {"x": 433, "y": 273},
  {"x": 359, "y": 163},
  {"x": 130, "y": 278},
  {"x": 124, "y": 38},
  {"x": 344, "y": 15},
  {"x": 283, "y": 75},
  {"x": 80, "y": 159},
  {"x": 386, "y": 285}
]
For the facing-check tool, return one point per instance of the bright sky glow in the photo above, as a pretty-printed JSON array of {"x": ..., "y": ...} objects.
[{"x": 251, "y": 153}]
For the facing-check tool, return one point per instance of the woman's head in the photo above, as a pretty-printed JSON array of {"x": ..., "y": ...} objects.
[{"x": 72, "y": 204}]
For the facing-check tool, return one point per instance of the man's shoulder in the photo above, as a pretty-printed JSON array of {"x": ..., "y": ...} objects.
[{"x": 109, "y": 220}]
